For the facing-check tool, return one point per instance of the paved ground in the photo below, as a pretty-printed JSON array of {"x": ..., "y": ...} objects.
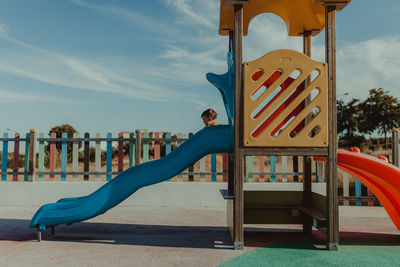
[{"x": 163, "y": 236}]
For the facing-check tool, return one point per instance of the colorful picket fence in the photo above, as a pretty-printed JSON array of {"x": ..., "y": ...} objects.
[
  {"x": 138, "y": 146},
  {"x": 210, "y": 168}
]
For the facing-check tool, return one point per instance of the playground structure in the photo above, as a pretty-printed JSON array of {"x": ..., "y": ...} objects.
[
  {"x": 280, "y": 112},
  {"x": 282, "y": 104}
]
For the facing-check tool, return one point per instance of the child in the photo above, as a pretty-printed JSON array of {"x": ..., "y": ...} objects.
[{"x": 209, "y": 117}]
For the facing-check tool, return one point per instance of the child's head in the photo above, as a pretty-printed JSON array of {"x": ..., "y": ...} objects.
[{"x": 208, "y": 115}]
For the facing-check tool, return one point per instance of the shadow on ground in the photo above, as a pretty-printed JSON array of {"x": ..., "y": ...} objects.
[{"x": 122, "y": 234}]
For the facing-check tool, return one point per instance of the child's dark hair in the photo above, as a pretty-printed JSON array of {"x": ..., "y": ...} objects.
[{"x": 209, "y": 113}]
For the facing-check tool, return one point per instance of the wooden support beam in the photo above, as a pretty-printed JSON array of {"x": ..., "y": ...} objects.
[
  {"x": 32, "y": 156},
  {"x": 284, "y": 151},
  {"x": 238, "y": 237},
  {"x": 395, "y": 147},
  {"x": 332, "y": 200},
  {"x": 307, "y": 198}
]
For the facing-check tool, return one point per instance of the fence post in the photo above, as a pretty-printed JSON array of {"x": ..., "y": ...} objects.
[
  {"x": 272, "y": 160},
  {"x": 213, "y": 167},
  {"x": 295, "y": 168},
  {"x": 250, "y": 168},
  {"x": 75, "y": 156},
  {"x": 64, "y": 156},
  {"x": 346, "y": 188},
  {"x": 120, "y": 153},
  {"x": 358, "y": 191},
  {"x": 32, "y": 156},
  {"x": 97, "y": 158},
  {"x": 395, "y": 147},
  {"x": 261, "y": 162},
  {"x": 225, "y": 166},
  {"x": 16, "y": 156},
  {"x": 138, "y": 150},
  {"x": 52, "y": 154},
  {"x": 4, "y": 161},
  {"x": 146, "y": 147},
  {"x": 131, "y": 150},
  {"x": 41, "y": 157},
  {"x": 284, "y": 168},
  {"x": 168, "y": 146},
  {"x": 86, "y": 157},
  {"x": 26, "y": 163},
  {"x": 109, "y": 157}
]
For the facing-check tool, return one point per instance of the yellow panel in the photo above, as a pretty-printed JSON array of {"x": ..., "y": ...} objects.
[
  {"x": 274, "y": 107},
  {"x": 299, "y": 15}
]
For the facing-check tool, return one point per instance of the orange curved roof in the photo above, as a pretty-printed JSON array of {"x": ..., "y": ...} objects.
[{"x": 299, "y": 15}]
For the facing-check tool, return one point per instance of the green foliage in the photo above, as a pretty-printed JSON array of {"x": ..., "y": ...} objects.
[
  {"x": 380, "y": 113},
  {"x": 59, "y": 130}
]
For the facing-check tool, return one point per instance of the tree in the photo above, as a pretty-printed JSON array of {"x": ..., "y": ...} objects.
[
  {"x": 381, "y": 113},
  {"x": 348, "y": 124},
  {"x": 59, "y": 130}
]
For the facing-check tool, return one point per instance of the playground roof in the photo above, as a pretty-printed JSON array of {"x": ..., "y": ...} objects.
[{"x": 299, "y": 15}]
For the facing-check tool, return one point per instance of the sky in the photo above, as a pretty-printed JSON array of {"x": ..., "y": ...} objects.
[{"x": 111, "y": 66}]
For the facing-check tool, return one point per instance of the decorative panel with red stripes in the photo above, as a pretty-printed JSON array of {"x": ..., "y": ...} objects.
[{"x": 285, "y": 101}]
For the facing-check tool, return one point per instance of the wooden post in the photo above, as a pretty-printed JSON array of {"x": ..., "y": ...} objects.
[
  {"x": 225, "y": 166},
  {"x": 331, "y": 190},
  {"x": 295, "y": 168},
  {"x": 231, "y": 168},
  {"x": 4, "y": 161},
  {"x": 131, "y": 150},
  {"x": 395, "y": 147},
  {"x": 32, "y": 156},
  {"x": 109, "y": 157},
  {"x": 75, "y": 156},
  {"x": 284, "y": 168},
  {"x": 64, "y": 156},
  {"x": 238, "y": 150},
  {"x": 41, "y": 157},
  {"x": 97, "y": 158},
  {"x": 138, "y": 147},
  {"x": 307, "y": 197},
  {"x": 52, "y": 161},
  {"x": 191, "y": 168},
  {"x": 120, "y": 153},
  {"x": 27, "y": 149},
  {"x": 307, "y": 176},
  {"x": 346, "y": 191},
  {"x": 16, "y": 156},
  {"x": 86, "y": 158}
]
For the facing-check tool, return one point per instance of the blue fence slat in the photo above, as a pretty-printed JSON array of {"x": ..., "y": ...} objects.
[
  {"x": 4, "y": 160},
  {"x": 358, "y": 191},
  {"x": 167, "y": 144},
  {"x": 109, "y": 157},
  {"x": 64, "y": 156},
  {"x": 213, "y": 167},
  {"x": 27, "y": 147},
  {"x": 272, "y": 161}
]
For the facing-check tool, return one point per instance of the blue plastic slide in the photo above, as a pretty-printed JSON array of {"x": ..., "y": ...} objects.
[{"x": 208, "y": 140}]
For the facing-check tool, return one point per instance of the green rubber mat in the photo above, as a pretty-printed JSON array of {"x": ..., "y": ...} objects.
[{"x": 307, "y": 254}]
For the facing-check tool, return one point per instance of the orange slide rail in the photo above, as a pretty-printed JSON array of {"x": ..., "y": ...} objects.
[{"x": 381, "y": 177}]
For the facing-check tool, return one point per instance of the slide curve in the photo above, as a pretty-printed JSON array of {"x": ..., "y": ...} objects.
[
  {"x": 381, "y": 177},
  {"x": 208, "y": 140}
]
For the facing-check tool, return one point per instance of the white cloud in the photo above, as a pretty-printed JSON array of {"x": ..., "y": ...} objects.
[
  {"x": 58, "y": 69},
  {"x": 136, "y": 19},
  {"x": 196, "y": 12},
  {"x": 7, "y": 96},
  {"x": 370, "y": 64}
]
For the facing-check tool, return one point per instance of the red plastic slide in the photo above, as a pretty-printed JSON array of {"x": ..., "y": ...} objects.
[{"x": 381, "y": 177}]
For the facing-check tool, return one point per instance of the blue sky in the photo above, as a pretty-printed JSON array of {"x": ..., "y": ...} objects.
[{"x": 110, "y": 66}]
